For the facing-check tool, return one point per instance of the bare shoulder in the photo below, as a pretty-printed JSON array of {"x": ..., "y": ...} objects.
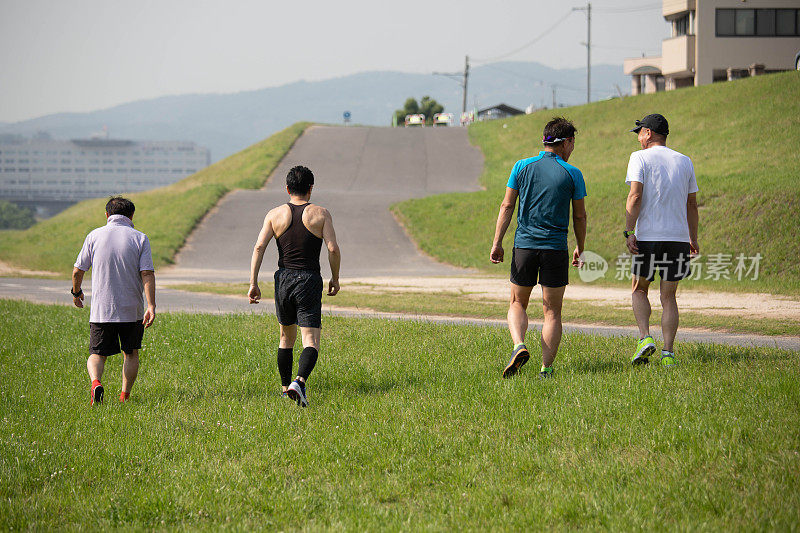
[{"x": 317, "y": 213}]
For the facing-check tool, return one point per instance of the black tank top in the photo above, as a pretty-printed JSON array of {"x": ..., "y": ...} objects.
[{"x": 298, "y": 248}]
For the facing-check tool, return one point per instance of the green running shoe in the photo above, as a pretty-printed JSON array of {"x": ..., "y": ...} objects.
[
  {"x": 668, "y": 359},
  {"x": 546, "y": 372},
  {"x": 519, "y": 357},
  {"x": 644, "y": 349}
]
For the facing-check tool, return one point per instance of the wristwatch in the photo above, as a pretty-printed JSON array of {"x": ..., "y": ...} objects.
[
  {"x": 76, "y": 294},
  {"x": 627, "y": 233}
]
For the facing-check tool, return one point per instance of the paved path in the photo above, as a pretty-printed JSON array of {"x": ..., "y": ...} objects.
[
  {"x": 170, "y": 300},
  {"x": 359, "y": 173}
]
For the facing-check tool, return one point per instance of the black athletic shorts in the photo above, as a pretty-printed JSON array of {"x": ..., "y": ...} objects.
[
  {"x": 669, "y": 258},
  {"x": 298, "y": 297},
  {"x": 549, "y": 267},
  {"x": 106, "y": 338}
]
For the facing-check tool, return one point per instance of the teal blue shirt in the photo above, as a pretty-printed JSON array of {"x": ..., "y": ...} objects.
[{"x": 546, "y": 185}]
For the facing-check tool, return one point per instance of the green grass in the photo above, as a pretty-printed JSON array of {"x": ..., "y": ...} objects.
[
  {"x": 465, "y": 304},
  {"x": 167, "y": 215},
  {"x": 397, "y": 436},
  {"x": 742, "y": 137}
]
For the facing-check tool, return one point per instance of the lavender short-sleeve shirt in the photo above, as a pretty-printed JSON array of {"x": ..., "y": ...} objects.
[{"x": 117, "y": 254}]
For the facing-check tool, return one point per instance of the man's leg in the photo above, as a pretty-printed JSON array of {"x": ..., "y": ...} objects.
[
  {"x": 552, "y": 299},
  {"x": 641, "y": 305},
  {"x": 669, "y": 315},
  {"x": 130, "y": 369},
  {"x": 285, "y": 354},
  {"x": 641, "y": 311},
  {"x": 308, "y": 358},
  {"x": 95, "y": 365},
  {"x": 517, "y": 313}
]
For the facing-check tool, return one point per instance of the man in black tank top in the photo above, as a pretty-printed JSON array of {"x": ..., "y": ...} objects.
[{"x": 299, "y": 228}]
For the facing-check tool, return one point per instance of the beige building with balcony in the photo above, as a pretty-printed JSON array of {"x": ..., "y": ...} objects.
[{"x": 718, "y": 40}]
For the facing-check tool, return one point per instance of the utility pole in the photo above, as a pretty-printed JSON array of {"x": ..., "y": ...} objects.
[
  {"x": 554, "y": 96},
  {"x": 588, "y": 45},
  {"x": 464, "y": 78}
]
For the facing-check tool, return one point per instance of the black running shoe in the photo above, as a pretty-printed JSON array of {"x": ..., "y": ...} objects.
[{"x": 519, "y": 357}]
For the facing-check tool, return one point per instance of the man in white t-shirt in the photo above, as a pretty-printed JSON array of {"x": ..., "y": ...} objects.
[
  {"x": 661, "y": 222},
  {"x": 122, "y": 268}
]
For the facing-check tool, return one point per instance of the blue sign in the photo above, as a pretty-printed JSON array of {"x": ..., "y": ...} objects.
[{"x": 347, "y": 115}]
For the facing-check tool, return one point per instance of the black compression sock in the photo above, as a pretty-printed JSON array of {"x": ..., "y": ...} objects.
[
  {"x": 308, "y": 358},
  {"x": 285, "y": 359}
]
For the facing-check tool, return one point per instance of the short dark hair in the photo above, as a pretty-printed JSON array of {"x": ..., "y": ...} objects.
[
  {"x": 299, "y": 180},
  {"x": 557, "y": 130},
  {"x": 117, "y": 205}
]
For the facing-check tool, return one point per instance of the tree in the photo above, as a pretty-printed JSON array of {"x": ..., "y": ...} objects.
[
  {"x": 427, "y": 106},
  {"x": 15, "y": 217}
]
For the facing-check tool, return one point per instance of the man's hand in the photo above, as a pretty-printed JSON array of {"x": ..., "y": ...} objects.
[
  {"x": 333, "y": 287},
  {"x": 496, "y": 255},
  {"x": 577, "y": 258},
  {"x": 694, "y": 249},
  {"x": 254, "y": 293},
  {"x": 149, "y": 316},
  {"x": 633, "y": 246},
  {"x": 78, "y": 300}
]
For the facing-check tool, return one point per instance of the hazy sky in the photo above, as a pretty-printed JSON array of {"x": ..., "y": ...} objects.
[{"x": 82, "y": 55}]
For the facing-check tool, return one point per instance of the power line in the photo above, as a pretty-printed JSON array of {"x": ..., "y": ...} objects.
[
  {"x": 529, "y": 43},
  {"x": 636, "y": 9}
]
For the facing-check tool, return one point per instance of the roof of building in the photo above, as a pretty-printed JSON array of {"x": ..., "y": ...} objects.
[{"x": 504, "y": 108}]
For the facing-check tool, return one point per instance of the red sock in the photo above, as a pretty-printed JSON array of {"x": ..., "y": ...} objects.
[
  {"x": 124, "y": 396},
  {"x": 95, "y": 382}
]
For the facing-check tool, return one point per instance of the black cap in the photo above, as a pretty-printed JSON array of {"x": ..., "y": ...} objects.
[{"x": 654, "y": 122}]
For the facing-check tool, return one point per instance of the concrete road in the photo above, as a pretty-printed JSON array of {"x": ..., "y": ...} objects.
[
  {"x": 359, "y": 173},
  {"x": 171, "y": 300}
]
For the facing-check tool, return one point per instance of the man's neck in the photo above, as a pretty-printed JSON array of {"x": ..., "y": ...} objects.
[
  {"x": 299, "y": 200},
  {"x": 555, "y": 150},
  {"x": 653, "y": 144}
]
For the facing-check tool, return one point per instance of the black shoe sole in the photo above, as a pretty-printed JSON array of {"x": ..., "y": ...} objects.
[
  {"x": 513, "y": 367},
  {"x": 97, "y": 395}
]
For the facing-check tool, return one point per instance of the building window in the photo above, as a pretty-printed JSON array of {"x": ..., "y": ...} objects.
[
  {"x": 786, "y": 20},
  {"x": 680, "y": 26},
  {"x": 757, "y": 22}
]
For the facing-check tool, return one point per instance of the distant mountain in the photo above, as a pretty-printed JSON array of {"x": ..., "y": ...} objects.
[{"x": 227, "y": 123}]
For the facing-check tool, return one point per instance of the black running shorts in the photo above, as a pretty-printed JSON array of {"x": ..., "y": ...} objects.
[
  {"x": 106, "y": 338},
  {"x": 298, "y": 297},
  {"x": 549, "y": 267},
  {"x": 669, "y": 258}
]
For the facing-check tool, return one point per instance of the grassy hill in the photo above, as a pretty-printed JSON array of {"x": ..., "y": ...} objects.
[
  {"x": 167, "y": 215},
  {"x": 743, "y": 137}
]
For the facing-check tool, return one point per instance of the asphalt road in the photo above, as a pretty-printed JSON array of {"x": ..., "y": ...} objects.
[
  {"x": 359, "y": 172},
  {"x": 175, "y": 301}
]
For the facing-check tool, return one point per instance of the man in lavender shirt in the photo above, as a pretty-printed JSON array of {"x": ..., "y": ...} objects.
[{"x": 122, "y": 267}]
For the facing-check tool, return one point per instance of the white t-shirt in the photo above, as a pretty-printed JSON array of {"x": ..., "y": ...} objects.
[{"x": 667, "y": 179}]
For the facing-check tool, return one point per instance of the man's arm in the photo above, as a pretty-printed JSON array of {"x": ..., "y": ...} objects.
[
  {"x": 693, "y": 216},
  {"x": 503, "y": 220},
  {"x": 264, "y": 237},
  {"x": 632, "y": 208},
  {"x": 149, "y": 280},
  {"x": 579, "y": 220},
  {"x": 77, "y": 280},
  {"x": 334, "y": 255}
]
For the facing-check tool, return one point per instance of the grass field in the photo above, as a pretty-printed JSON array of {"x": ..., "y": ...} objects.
[
  {"x": 409, "y": 427},
  {"x": 465, "y": 304},
  {"x": 167, "y": 215},
  {"x": 742, "y": 137}
]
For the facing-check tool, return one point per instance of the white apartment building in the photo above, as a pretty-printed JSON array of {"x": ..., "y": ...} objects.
[
  {"x": 47, "y": 170},
  {"x": 718, "y": 40}
]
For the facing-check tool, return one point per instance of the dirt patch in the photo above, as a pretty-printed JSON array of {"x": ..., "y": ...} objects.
[
  {"x": 7, "y": 270},
  {"x": 754, "y": 305}
]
